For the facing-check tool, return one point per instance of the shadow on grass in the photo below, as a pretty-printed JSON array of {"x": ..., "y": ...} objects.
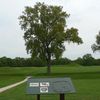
[
  {"x": 14, "y": 74},
  {"x": 80, "y": 75},
  {"x": 84, "y": 75}
]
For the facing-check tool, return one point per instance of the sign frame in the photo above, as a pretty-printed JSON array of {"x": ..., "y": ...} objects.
[{"x": 49, "y": 86}]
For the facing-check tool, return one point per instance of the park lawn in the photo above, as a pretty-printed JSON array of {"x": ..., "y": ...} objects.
[
  {"x": 10, "y": 75},
  {"x": 86, "y": 89},
  {"x": 7, "y": 80},
  {"x": 85, "y": 79}
]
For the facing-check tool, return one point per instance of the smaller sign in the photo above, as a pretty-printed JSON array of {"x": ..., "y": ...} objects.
[
  {"x": 43, "y": 89},
  {"x": 34, "y": 85},
  {"x": 44, "y": 84}
]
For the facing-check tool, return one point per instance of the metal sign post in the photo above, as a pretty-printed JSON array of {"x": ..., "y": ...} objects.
[
  {"x": 50, "y": 86},
  {"x": 62, "y": 96},
  {"x": 38, "y": 96}
]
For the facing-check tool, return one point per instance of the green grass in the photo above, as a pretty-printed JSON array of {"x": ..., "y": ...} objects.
[
  {"x": 10, "y": 75},
  {"x": 85, "y": 79},
  {"x": 7, "y": 80}
]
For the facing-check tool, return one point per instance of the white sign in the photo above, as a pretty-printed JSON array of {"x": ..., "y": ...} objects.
[
  {"x": 44, "y": 84},
  {"x": 34, "y": 85},
  {"x": 43, "y": 89}
]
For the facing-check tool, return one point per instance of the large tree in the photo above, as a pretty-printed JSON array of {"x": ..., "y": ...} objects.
[
  {"x": 96, "y": 46},
  {"x": 45, "y": 31}
]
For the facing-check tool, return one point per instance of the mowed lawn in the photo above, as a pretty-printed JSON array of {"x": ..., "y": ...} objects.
[{"x": 85, "y": 79}]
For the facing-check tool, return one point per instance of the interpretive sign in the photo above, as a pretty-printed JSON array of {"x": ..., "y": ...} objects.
[{"x": 49, "y": 85}]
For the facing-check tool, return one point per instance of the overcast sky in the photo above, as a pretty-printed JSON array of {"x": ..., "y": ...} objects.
[{"x": 84, "y": 15}]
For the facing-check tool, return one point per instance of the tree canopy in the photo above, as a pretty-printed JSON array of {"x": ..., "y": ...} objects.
[
  {"x": 45, "y": 31},
  {"x": 96, "y": 46}
]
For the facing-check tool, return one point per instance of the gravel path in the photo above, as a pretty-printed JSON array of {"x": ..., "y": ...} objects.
[{"x": 13, "y": 85}]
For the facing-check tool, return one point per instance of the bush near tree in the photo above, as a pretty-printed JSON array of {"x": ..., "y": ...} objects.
[{"x": 87, "y": 60}]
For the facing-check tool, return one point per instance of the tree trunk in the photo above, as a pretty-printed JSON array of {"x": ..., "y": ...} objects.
[
  {"x": 48, "y": 58},
  {"x": 48, "y": 67}
]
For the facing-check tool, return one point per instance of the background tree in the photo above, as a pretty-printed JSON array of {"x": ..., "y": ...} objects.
[
  {"x": 5, "y": 62},
  {"x": 45, "y": 31},
  {"x": 96, "y": 46},
  {"x": 88, "y": 60}
]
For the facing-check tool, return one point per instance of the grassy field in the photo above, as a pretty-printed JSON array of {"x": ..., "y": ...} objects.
[{"x": 85, "y": 79}]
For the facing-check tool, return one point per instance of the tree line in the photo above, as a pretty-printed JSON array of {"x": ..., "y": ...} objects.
[{"x": 86, "y": 60}]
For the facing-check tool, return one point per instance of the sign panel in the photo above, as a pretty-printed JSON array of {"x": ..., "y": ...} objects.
[
  {"x": 44, "y": 84},
  {"x": 49, "y": 85},
  {"x": 43, "y": 89},
  {"x": 34, "y": 84}
]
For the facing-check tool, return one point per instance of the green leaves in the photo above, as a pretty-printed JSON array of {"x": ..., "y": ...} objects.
[
  {"x": 72, "y": 36},
  {"x": 96, "y": 46},
  {"x": 45, "y": 31}
]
